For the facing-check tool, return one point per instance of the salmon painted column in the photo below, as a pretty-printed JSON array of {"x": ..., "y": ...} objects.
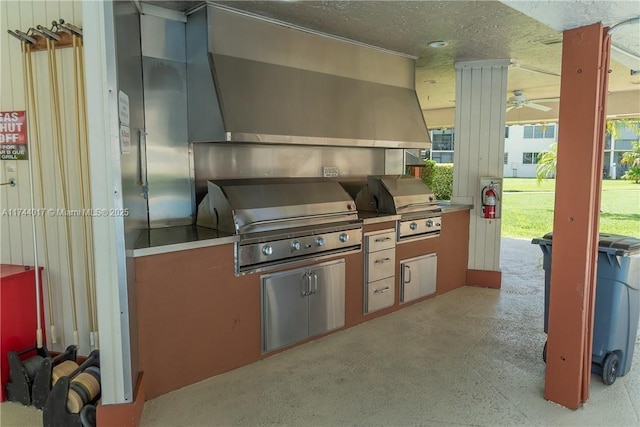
[
  {"x": 481, "y": 98},
  {"x": 585, "y": 65}
]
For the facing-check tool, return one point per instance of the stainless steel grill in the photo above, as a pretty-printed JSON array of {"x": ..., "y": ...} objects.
[
  {"x": 406, "y": 196},
  {"x": 282, "y": 220}
]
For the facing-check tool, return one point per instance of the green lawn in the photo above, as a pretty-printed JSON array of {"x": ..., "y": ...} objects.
[{"x": 527, "y": 209}]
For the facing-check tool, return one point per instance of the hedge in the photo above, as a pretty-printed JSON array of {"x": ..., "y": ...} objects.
[{"x": 439, "y": 178}]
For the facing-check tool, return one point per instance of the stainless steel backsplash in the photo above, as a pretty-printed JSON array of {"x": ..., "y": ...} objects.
[{"x": 233, "y": 160}]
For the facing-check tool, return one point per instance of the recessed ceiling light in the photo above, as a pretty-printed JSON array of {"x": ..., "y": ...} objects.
[
  {"x": 430, "y": 81},
  {"x": 437, "y": 43}
]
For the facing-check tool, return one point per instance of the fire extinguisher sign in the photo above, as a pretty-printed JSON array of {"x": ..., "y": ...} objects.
[{"x": 13, "y": 135}]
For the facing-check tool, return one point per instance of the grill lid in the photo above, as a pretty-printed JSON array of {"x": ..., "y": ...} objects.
[
  {"x": 396, "y": 194},
  {"x": 257, "y": 205}
]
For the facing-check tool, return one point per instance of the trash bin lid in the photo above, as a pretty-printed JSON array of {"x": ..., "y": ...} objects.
[
  {"x": 546, "y": 240},
  {"x": 616, "y": 244},
  {"x": 623, "y": 245}
]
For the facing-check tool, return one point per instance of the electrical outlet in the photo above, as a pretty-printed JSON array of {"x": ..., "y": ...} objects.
[
  {"x": 329, "y": 171},
  {"x": 10, "y": 171}
]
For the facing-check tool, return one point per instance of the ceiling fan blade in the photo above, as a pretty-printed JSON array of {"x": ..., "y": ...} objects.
[
  {"x": 556, "y": 99},
  {"x": 537, "y": 106},
  {"x": 510, "y": 107}
]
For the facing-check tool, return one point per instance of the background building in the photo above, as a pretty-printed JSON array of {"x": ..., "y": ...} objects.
[{"x": 523, "y": 144}]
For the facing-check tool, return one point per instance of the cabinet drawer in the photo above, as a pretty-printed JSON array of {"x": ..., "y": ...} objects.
[
  {"x": 380, "y": 241},
  {"x": 379, "y": 294},
  {"x": 380, "y": 265}
]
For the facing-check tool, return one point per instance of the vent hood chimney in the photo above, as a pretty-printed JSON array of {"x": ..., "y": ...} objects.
[{"x": 252, "y": 80}]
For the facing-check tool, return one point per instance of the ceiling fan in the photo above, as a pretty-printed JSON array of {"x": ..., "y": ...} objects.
[{"x": 519, "y": 100}]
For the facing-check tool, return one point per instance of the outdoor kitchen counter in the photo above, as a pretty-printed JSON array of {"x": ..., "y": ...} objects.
[
  {"x": 173, "y": 239},
  {"x": 453, "y": 207},
  {"x": 179, "y": 238},
  {"x": 188, "y": 296},
  {"x": 375, "y": 218}
]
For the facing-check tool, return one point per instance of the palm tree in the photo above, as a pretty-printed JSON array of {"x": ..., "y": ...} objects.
[
  {"x": 613, "y": 127},
  {"x": 547, "y": 163},
  {"x": 548, "y": 160},
  {"x": 632, "y": 158}
]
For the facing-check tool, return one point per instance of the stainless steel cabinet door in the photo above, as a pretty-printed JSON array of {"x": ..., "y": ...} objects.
[
  {"x": 418, "y": 277},
  {"x": 285, "y": 308},
  {"x": 326, "y": 301}
]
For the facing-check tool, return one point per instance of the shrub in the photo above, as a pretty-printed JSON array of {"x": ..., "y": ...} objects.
[
  {"x": 428, "y": 172},
  {"x": 441, "y": 180},
  {"x": 633, "y": 174}
]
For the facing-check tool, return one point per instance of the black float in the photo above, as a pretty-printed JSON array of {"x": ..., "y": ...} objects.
[
  {"x": 45, "y": 377},
  {"x": 23, "y": 372},
  {"x": 71, "y": 402}
]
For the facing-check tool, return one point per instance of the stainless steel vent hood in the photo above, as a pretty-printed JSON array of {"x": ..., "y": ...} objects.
[{"x": 253, "y": 80}]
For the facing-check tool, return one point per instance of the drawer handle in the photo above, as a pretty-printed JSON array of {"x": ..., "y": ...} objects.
[
  {"x": 382, "y": 261},
  {"x": 381, "y": 291},
  {"x": 384, "y": 239}
]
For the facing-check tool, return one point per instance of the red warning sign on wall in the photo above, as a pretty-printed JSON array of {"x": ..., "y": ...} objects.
[{"x": 13, "y": 135}]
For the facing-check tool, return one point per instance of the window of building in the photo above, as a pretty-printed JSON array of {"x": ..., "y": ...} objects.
[
  {"x": 442, "y": 140},
  {"x": 441, "y": 157},
  {"x": 530, "y": 158},
  {"x": 539, "y": 131},
  {"x": 624, "y": 144},
  {"x": 506, "y": 131},
  {"x": 506, "y": 158}
]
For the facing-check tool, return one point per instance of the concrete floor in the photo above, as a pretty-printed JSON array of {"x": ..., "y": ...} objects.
[{"x": 470, "y": 357}]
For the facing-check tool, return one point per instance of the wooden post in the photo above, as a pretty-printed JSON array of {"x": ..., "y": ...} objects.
[{"x": 585, "y": 65}]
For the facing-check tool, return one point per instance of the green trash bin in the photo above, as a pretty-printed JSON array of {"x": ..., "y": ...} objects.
[{"x": 617, "y": 304}]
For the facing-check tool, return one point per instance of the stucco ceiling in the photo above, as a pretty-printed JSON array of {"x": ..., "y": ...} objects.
[{"x": 529, "y": 33}]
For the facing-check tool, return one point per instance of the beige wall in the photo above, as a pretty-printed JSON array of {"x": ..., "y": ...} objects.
[
  {"x": 16, "y": 237},
  {"x": 479, "y": 149}
]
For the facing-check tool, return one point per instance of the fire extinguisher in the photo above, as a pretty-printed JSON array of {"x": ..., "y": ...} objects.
[{"x": 489, "y": 200}]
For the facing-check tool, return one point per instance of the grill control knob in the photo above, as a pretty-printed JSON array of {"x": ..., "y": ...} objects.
[
  {"x": 344, "y": 237},
  {"x": 267, "y": 250},
  {"x": 295, "y": 245},
  {"x": 413, "y": 226},
  {"x": 320, "y": 241},
  {"x": 429, "y": 223}
]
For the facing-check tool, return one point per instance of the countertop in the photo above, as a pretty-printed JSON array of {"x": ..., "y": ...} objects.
[
  {"x": 172, "y": 239},
  {"x": 453, "y": 207},
  {"x": 179, "y": 238}
]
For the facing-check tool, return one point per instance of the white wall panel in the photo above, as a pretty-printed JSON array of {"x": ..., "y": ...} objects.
[
  {"x": 17, "y": 238},
  {"x": 479, "y": 149}
]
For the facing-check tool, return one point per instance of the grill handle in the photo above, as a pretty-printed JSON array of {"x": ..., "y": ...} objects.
[
  {"x": 414, "y": 205},
  {"x": 280, "y": 220}
]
